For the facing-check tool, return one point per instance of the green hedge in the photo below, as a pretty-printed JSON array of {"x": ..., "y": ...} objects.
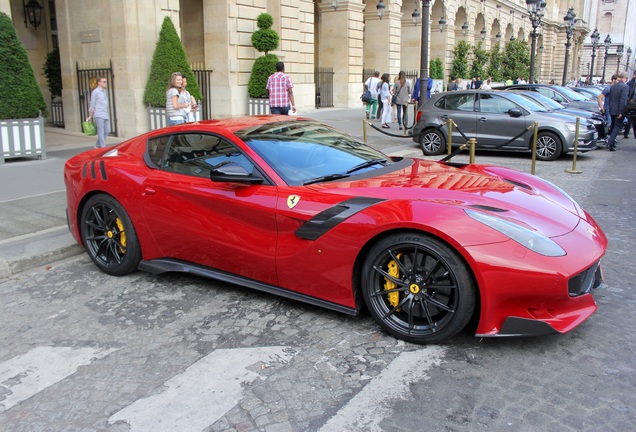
[
  {"x": 263, "y": 40},
  {"x": 21, "y": 95}
]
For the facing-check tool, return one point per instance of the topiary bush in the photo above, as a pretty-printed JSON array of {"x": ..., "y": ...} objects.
[
  {"x": 263, "y": 40},
  {"x": 53, "y": 72},
  {"x": 169, "y": 57},
  {"x": 21, "y": 95}
]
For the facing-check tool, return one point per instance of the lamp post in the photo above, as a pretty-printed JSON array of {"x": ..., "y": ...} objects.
[
  {"x": 32, "y": 13},
  {"x": 608, "y": 43},
  {"x": 594, "y": 37},
  {"x": 535, "y": 10},
  {"x": 426, "y": 6},
  {"x": 570, "y": 19},
  {"x": 619, "y": 51},
  {"x": 629, "y": 53}
]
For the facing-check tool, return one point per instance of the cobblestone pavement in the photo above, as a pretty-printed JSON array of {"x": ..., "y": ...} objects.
[{"x": 135, "y": 339}]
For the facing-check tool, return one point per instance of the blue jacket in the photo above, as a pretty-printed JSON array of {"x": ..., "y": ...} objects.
[{"x": 416, "y": 90}]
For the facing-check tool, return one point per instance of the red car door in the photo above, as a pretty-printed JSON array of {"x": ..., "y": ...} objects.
[{"x": 224, "y": 225}]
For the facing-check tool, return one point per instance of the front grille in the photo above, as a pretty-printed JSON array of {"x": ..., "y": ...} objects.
[{"x": 583, "y": 282}]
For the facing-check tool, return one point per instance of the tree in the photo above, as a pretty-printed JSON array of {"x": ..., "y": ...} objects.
[
  {"x": 21, "y": 95},
  {"x": 53, "y": 72},
  {"x": 516, "y": 61},
  {"x": 263, "y": 40},
  {"x": 495, "y": 63},
  {"x": 169, "y": 57},
  {"x": 460, "y": 59},
  {"x": 480, "y": 59},
  {"x": 436, "y": 68}
]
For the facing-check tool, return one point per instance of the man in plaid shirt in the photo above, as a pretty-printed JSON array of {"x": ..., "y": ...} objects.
[{"x": 279, "y": 88}]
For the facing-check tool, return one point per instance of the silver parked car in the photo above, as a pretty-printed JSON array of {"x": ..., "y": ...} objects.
[{"x": 498, "y": 119}]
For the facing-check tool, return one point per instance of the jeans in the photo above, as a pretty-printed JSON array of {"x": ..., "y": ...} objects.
[
  {"x": 171, "y": 122},
  {"x": 401, "y": 112},
  {"x": 103, "y": 129},
  {"x": 279, "y": 110}
]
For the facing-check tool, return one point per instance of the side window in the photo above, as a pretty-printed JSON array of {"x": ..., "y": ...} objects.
[
  {"x": 197, "y": 154},
  {"x": 461, "y": 102},
  {"x": 495, "y": 104}
]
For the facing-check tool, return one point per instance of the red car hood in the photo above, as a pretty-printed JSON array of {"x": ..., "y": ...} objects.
[{"x": 509, "y": 194}]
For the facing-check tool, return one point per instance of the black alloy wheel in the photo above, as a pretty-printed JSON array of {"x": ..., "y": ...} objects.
[
  {"x": 109, "y": 237},
  {"x": 417, "y": 288}
]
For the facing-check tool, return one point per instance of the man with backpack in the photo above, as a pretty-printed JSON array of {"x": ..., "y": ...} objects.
[{"x": 372, "y": 84}]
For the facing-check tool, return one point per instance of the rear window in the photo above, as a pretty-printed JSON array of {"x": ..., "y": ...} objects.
[{"x": 457, "y": 102}]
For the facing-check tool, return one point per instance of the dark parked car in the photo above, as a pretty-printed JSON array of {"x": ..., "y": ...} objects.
[
  {"x": 589, "y": 91},
  {"x": 494, "y": 118},
  {"x": 596, "y": 119},
  {"x": 563, "y": 95}
]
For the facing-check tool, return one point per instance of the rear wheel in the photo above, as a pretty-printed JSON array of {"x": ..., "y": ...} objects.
[
  {"x": 433, "y": 142},
  {"x": 549, "y": 146},
  {"x": 109, "y": 236},
  {"x": 417, "y": 288}
]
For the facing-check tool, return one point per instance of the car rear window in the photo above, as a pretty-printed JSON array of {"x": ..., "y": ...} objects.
[{"x": 458, "y": 102}]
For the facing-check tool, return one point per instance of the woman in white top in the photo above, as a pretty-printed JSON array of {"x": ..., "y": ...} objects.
[
  {"x": 175, "y": 111},
  {"x": 486, "y": 85},
  {"x": 385, "y": 95}
]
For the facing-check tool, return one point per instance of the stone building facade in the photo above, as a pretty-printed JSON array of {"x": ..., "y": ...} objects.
[{"x": 345, "y": 35}]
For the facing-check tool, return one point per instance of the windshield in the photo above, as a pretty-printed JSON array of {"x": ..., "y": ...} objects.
[
  {"x": 543, "y": 100},
  {"x": 304, "y": 152},
  {"x": 528, "y": 104},
  {"x": 571, "y": 94}
]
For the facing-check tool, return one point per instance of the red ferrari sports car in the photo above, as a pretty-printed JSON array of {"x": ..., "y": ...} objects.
[{"x": 294, "y": 207}]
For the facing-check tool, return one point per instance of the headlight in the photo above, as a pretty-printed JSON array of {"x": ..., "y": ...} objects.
[
  {"x": 596, "y": 122},
  {"x": 531, "y": 239},
  {"x": 571, "y": 127}
]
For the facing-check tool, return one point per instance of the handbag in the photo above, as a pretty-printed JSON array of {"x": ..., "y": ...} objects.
[
  {"x": 89, "y": 128},
  {"x": 393, "y": 100},
  {"x": 366, "y": 96}
]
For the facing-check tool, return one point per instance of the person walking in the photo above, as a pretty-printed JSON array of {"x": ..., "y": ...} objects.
[
  {"x": 98, "y": 111},
  {"x": 631, "y": 115},
  {"x": 175, "y": 110},
  {"x": 279, "y": 89},
  {"x": 402, "y": 91},
  {"x": 618, "y": 101},
  {"x": 373, "y": 85},
  {"x": 385, "y": 96},
  {"x": 415, "y": 96}
]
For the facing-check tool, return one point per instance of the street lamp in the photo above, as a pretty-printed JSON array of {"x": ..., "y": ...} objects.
[
  {"x": 32, "y": 13},
  {"x": 483, "y": 33},
  {"x": 629, "y": 53},
  {"x": 608, "y": 44},
  {"x": 426, "y": 6},
  {"x": 619, "y": 51},
  {"x": 535, "y": 10},
  {"x": 594, "y": 37},
  {"x": 570, "y": 20},
  {"x": 380, "y": 7}
]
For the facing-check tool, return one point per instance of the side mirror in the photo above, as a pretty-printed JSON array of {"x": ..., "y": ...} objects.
[
  {"x": 515, "y": 112},
  {"x": 233, "y": 172}
]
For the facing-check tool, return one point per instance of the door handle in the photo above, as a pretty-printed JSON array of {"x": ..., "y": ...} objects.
[
  {"x": 483, "y": 119},
  {"x": 444, "y": 117},
  {"x": 149, "y": 191}
]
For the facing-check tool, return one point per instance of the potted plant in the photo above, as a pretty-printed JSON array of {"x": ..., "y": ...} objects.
[
  {"x": 169, "y": 57},
  {"x": 52, "y": 70},
  {"x": 22, "y": 104},
  {"x": 263, "y": 40}
]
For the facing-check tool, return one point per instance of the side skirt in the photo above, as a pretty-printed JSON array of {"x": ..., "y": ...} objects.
[{"x": 164, "y": 265}]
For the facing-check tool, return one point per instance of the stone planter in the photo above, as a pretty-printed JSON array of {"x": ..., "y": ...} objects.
[
  {"x": 158, "y": 117},
  {"x": 257, "y": 106},
  {"x": 22, "y": 138}
]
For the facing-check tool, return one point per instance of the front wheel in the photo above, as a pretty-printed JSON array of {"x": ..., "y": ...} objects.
[
  {"x": 433, "y": 142},
  {"x": 549, "y": 146},
  {"x": 109, "y": 236},
  {"x": 417, "y": 288}
]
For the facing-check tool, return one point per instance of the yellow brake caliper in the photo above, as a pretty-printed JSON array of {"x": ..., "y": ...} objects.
[
  {"x": 122, "y": 234},
  {"x": 394, "y": 270}
]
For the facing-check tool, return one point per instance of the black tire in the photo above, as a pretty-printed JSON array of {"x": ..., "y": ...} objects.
[
  {"x": 549, "y": 146},
  {"x": 417, "y": 288},
  {"x": 432, "y": 142},
  {"x": 109, "y": 236}
]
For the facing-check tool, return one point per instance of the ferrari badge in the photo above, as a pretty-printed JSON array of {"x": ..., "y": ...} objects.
[{"x": 292, "y": 200}]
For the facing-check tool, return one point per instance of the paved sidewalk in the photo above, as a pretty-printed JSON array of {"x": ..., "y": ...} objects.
[{"x": 33, "y": 230}]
